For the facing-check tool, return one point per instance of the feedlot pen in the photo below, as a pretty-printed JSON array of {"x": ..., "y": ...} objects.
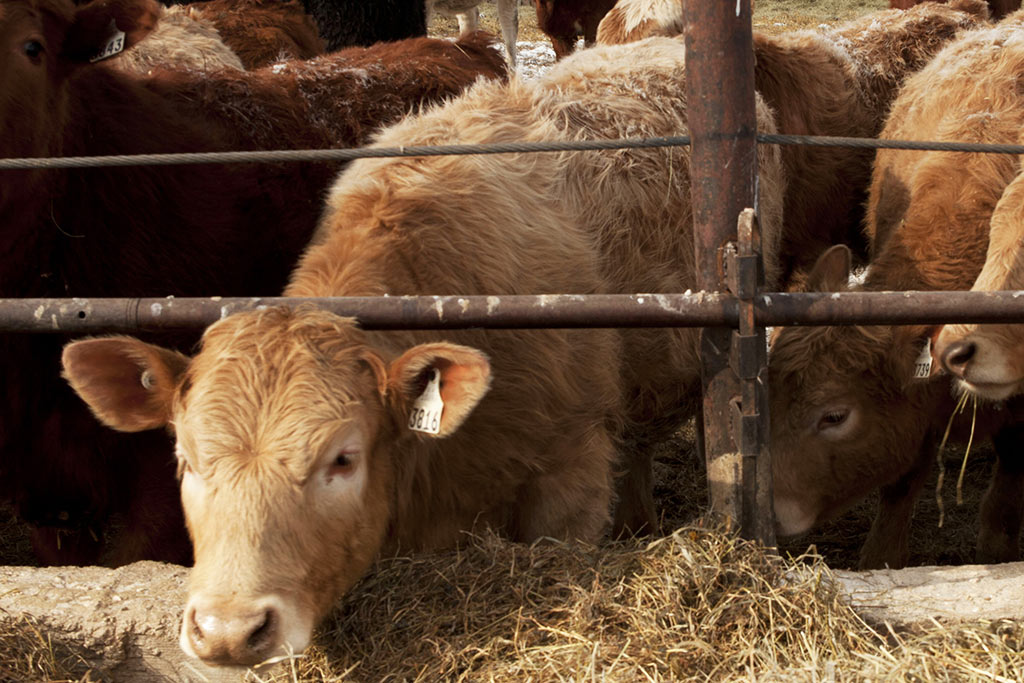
[{"x": 729, "y": 306}]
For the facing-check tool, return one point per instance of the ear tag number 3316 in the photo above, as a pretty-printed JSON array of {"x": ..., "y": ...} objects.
[{"x": 425, "y": 415}]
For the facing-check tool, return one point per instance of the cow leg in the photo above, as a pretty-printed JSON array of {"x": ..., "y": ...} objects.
[
  {"x": 634, "y": 492},
  {"x": 888, "y": 542},
  {"x": 572, "y": 501},
  {"x": 508, "y": 18},
  {"x": 468, "y": 21},
  {"x": 999, "y": 519}
]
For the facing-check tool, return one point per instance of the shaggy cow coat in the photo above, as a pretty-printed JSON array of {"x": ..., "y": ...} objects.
[
  {"x": 837, "y": 82},
  {"x": 183, "y": 39}
]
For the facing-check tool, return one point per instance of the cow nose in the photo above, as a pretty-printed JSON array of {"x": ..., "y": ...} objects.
[
  {"x": 957, "y": 355},
  {"x": 240, "y": 639}
]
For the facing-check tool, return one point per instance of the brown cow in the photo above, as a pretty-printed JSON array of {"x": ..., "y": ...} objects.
[
  {"x": 564, "y": 20},
  {"x": 298, "y": 465},
  {"x": 154, "y": 231},
  {"x": 262, "y": 32},
  {"x": 998, "y": 8},
  {"x": 987, "y": 360},
  {"x": 848, "y": 414}
]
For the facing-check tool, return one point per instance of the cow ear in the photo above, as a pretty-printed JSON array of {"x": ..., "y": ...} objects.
[
  {"x": 104, "y": 28},
  {"x": 831, "y": 272},
  {"x": 129, "y": 385},
  {"x": 456, "y": 376}
]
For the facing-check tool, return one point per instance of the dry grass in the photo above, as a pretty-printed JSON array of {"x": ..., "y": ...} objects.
[
  {"x": 697, "y": 605},
  {"x": 29, "y": 653}
]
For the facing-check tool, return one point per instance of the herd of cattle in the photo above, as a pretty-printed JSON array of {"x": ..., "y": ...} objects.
[{"x": 302, "y": 447}]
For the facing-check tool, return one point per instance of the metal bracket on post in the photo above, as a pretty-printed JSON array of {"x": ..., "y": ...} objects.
[{"x": 748, "y": 359}]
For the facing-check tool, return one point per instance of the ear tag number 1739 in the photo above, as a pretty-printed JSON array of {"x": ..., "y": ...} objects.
[
  {"x": 425, "y": 415},
  {"x": 923, "y": 364}
]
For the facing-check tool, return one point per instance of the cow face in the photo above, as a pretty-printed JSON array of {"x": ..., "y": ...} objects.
[
  {"x": 846, "y": 414},
  {"x": 41, "y": 43},
  {"x": 288, "y": 426},
  {"x": 988, "y": 360}
]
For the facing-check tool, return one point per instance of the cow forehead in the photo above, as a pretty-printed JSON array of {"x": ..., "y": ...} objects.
[
  {"x": 273, "y": 385},
  {"x": 812, "y": 355},
  {"x": 12, "y": 11}
]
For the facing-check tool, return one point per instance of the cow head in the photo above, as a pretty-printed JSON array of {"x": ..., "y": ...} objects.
[
  {"x": 41, "y": 43},
  {"x": 288, "y": 429},
  {"x": 847, "y": 415},
  {"x": 988, "y": 360}
]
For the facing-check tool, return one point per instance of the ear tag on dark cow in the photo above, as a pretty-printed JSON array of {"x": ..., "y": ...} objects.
[
  {"x": 426, "y": 410},
  {"x": 923, "y": 364},
  {"x": 113, "y": 46}
]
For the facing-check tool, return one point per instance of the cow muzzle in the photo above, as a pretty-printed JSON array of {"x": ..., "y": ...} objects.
[{"x": 232, "y": 633}]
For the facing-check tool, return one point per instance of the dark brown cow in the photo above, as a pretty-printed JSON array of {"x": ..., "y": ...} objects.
[
  {"x": 998, "y": 8},
  {"x": 564, "y": 20},
  {"x": 155, "y": 231},
  {"x": 348, "y": 23}
]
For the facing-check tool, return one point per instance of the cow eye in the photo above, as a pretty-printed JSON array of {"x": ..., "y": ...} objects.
[
  {"x": 33, "y": 50},
  {"x": 833, "y": 418},
  {"x": 343, "y": 463}
]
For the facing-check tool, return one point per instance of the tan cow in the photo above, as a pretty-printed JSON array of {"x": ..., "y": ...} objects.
[
  {"x": 848, "y": 413},
  {"x": 182, "y": 40},
  {"x": 988, "y": 360},
  {"x": 298, "y": 465}
]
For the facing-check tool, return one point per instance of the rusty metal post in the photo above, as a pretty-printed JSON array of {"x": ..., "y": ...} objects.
[{"x": 723, "y": 162}]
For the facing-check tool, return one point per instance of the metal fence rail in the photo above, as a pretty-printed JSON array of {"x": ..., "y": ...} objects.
[{"x": 700, "y": 309}]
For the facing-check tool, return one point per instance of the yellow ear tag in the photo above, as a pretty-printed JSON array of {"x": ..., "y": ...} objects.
[{"x": 426, "y": 410}]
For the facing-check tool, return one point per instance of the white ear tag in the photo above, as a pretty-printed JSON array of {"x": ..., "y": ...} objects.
[
  {"x": 426, "y": 410},
  {"x": 113, "y": 46},
  {"x": 923, "y": 364}
]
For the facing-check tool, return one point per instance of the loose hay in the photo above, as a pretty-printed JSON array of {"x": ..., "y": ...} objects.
[
  {"x": 29, "y": 653},
  {"x": 697, "y": 605}
]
